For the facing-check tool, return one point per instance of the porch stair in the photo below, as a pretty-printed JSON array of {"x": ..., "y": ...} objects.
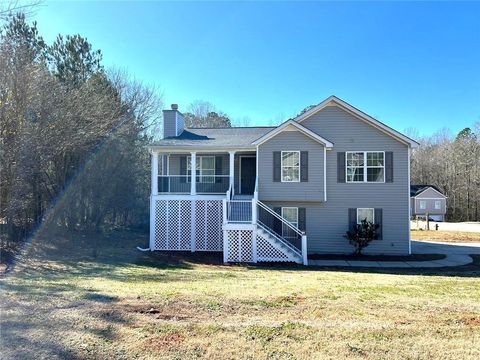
[{"x": 281, "y": 245}]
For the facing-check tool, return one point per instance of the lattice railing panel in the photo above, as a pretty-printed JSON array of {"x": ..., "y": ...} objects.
[
  {"x": 239, "y": 245},
  {"x": 267, "y": 252},
  {"x": 174, "y": 221}
]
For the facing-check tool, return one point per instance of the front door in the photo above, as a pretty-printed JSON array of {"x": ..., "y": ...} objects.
[{"x": 248, "y": 173}]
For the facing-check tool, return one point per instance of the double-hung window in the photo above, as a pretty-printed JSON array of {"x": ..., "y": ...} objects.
[
  {"x": 423, "y": 204},
  {"x": 438, "y": 205},
  {"x": 291, "y": 215},
  {"x": 290, "y": 166},
  {"x": 365, "y": 166},
  {"x": 365, "y": 214},
  {"x": 205, "y": 171}
]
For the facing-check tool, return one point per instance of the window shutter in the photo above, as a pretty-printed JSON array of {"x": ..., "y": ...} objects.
[
  {"x": 277, "y": 224},
  {"x": 352, "y": 218},
  {"x": 341, "y": 167},
  {"x": 218, "y": 169},
  {"x": 389, "y": 166},
  {"x": 379, "y": 221},
  {"x": 302, "y": 219},
  {"x": 303, "y": 166},
  {"x": 277, "y": 164},
  {"x": 183, "y": 169}
]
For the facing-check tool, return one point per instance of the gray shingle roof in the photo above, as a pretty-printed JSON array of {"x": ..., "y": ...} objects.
[{"x": 216, "y": 137}]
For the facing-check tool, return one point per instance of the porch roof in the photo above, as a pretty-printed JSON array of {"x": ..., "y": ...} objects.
[{"x": 214, "y": 138}]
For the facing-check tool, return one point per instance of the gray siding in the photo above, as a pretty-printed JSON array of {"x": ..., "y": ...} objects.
[
  {"x": 169, "y": 123},
  {"x": 291, "y": 191},
  {"x": 327, "y": 222},
  {"x": 429, "y": 196}
]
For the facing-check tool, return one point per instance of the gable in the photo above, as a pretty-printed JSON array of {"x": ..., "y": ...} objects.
[
  {"x": 430, "y": 192},
  {"x": 349, "y": 133},
  {"x": 290, "y": 126},
  {"x": 356, "y": 113}
]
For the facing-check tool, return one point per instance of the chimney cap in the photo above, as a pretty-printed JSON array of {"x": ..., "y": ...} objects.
[{"x": 174, "y": 106}]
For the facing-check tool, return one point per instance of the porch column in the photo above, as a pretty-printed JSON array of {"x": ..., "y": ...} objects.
[
  {"x": 193, "y": 173},
  {"x": 154, "y": 173},
  {"x": 232, "y": 166}
]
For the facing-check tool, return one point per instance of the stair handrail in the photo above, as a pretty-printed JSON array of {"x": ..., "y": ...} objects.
[{"x": 281, "y": 218}]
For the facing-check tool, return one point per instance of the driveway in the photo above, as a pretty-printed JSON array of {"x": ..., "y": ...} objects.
[{"x": 430, "y": 247}]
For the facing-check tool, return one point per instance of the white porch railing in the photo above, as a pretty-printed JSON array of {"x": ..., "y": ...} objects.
[{"x": 239, "y": 211}]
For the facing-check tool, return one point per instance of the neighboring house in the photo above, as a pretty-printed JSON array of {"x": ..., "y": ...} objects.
[
  {"x": 280, "y": 193},
  {"x": 427, "y": 199}
]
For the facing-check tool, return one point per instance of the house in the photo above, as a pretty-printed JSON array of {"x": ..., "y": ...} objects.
[
  {"x": 427, "y": 199},
  {"x": 281, "y": 193}
]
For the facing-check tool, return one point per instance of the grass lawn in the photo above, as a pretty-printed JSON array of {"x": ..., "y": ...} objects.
[
  {"x": 126, "y": 304},
  {"x": 445, "y": 236}
]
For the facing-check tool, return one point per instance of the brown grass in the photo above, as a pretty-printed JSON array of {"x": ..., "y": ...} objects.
[
  {"x": 62, "y": 303},
  {"x": 445, "y": 236}
]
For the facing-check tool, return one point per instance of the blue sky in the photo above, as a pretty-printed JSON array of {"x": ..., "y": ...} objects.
[{"x": 407, "y": 64}]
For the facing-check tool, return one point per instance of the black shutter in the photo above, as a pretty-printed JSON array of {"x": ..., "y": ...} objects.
[
  {"x": 302, "y": 219},
  {"x": 218, "y": 169},
  {"x": 379, "y": 222},
  {"x": 304, "y": 166},
  {"x": 277, "y": 164},
  {"x": 388, "y": 166},
  {"x": 352, "y": 218},
  {"x": 341, "y": 167},
  {"x": 183, "y": 169},
  {"x": 277, "y": 224}
]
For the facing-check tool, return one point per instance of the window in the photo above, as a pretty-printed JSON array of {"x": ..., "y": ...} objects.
[
  {"x": 365, "y": 214},
  {"x": 438, "y": 205},
  {"x": 290, "y": 166},
  {"x": 205, "y": 171},
  {"x": 291, "y": 215},
  {"x": 365, "y": 166},
  {"x": 423, "y": 204}
]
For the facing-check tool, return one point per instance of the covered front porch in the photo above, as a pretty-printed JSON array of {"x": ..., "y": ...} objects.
[{"x": 216, "y": 172}]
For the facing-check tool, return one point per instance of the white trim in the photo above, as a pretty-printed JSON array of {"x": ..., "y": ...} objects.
[
  {"x": 429, "y": 187},
  {"x": 154, "y": 169},
  {"x": 240, "y": 172},
  {"x": 365, "y": 167},
  {"x": 299, "y": 166},
  {"x": 182, "y": 149},
  {"x": 299, "y": 127},
  {"x": 409, "y": 204},
  {"x": 324, "y": 174},
  {"x": 333, "y": 100},
  {"x": 439, "y": 202},
  {"x": 373, "y": 214}
]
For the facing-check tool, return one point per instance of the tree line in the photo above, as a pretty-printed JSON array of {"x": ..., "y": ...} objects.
[
  {"x": 452, "y": 163},
  {"x": 72, "y": 135}
]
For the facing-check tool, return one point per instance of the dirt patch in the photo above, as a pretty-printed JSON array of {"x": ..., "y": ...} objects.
[
  {"x": 445, "y": 236},
  {"x": 164, "y": 341},
  {"x": 155, "y": 311}
]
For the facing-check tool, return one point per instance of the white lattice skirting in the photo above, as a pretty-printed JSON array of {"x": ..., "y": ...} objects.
[
  {"x": 248, "y": 244},
  {"x": 186, "y": 225}
]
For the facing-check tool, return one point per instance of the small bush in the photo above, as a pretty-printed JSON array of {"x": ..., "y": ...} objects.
[{"x": 361, "y": 235}]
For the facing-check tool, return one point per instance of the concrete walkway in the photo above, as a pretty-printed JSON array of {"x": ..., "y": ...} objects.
[{"x": 457, "y": 254}]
